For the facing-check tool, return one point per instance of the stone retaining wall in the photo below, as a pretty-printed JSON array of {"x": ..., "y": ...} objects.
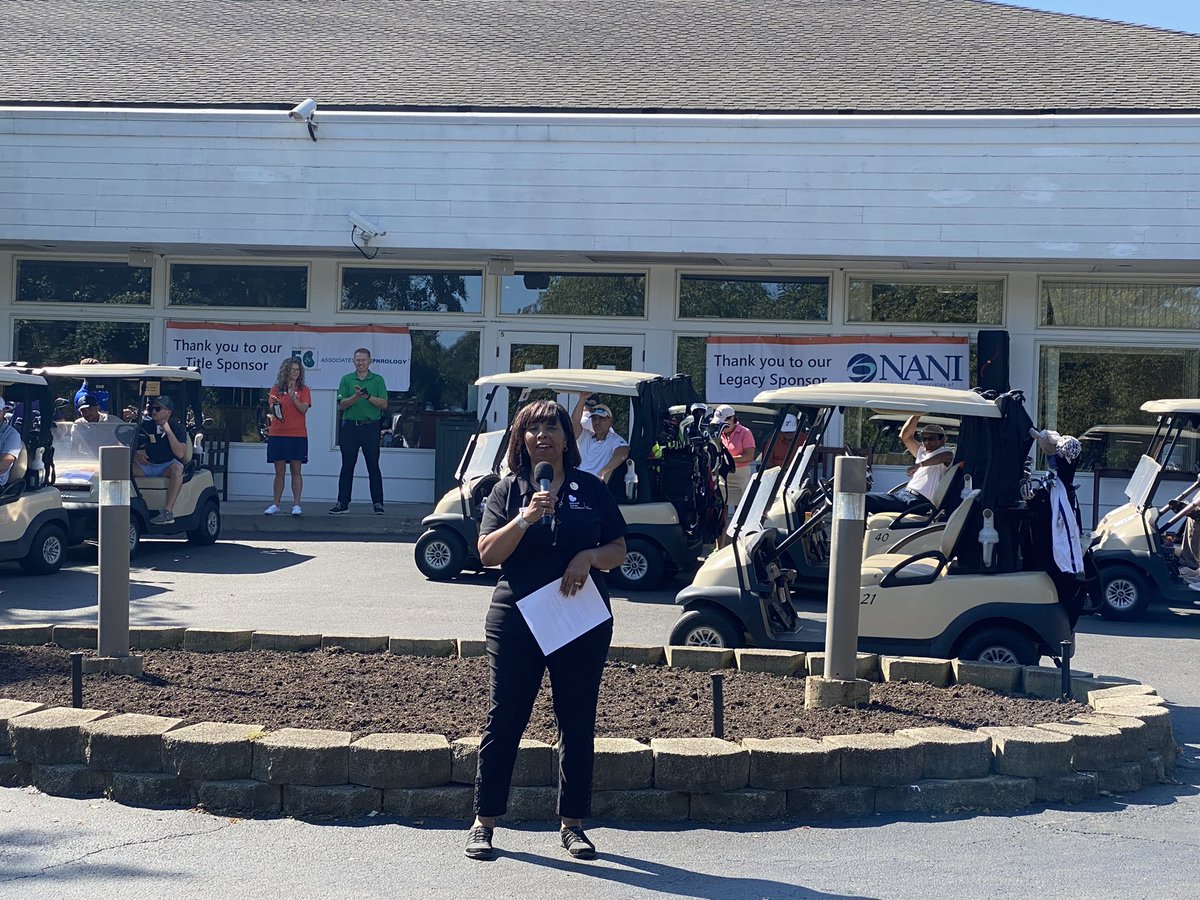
[{"x": 242, "y": 769}]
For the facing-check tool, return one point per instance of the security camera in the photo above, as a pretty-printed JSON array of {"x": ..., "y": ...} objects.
[
  {"x": 367, "y": 229},
  {"x": 304, "y": 110}
]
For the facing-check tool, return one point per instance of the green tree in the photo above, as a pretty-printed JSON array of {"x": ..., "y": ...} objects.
[
  {"x": 394, "y": 290},
  {"x": 795, "y": 300},
  {"x": 589, "y": 295},
  {"x": 60, "y": 343}
]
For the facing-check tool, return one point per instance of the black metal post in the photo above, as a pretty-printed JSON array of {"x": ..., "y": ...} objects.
[
  {"x": 1065, "y": 648},
  {"x": 77, "y": 679},
  {"x": 718, "y": 691}
]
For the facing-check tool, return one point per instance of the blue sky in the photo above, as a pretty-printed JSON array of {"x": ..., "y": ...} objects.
[{"x": 1181, "y": 15}]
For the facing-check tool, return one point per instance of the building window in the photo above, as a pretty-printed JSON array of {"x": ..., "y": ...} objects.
[
  {"x": 1092, "y": 391},
  {"x": 738, "y": 297},
  {"x": 240, "y": 413},
  {"x": 691, "y": 358},
  {"x": 254, "y": 286},
  {"x": 403, "y": 290},
  {"x": 81, "y": 281},
  {"x": 61, "y": 343},
  {"x": 564, "y": 294},
  {"x": 926, "y": 302},
  {"x": 1119, "y": 305}
]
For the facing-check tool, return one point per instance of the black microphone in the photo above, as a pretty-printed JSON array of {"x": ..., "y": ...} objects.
[{"x": 543, "y": 473}]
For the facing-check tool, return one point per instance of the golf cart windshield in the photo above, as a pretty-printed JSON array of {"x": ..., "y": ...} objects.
[
  {"x": 484, "y": 455},
  {"x": 77, "y": 448}
]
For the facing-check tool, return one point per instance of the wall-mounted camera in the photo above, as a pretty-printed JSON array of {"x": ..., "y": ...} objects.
[
  {"x": 304, "y": 112},
  {"x": 367, "y": 230}
]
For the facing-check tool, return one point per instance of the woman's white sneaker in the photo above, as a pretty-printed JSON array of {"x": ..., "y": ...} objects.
[
  {"x": 296, "y": 510},
  {"x": 271, "y": 510}
]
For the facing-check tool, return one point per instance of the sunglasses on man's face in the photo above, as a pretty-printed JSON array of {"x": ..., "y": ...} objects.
[
  {"x": 932, "y": 437},
  {"x": 155, "y": 409}
]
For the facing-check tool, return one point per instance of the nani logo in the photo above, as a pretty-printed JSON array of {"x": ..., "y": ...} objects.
[{"x": 862, "y": 367}]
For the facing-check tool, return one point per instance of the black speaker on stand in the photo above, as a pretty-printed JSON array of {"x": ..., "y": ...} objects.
[{"x": 991, "y": 361}]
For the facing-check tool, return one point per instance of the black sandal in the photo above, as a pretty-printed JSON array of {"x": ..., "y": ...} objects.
[
  {"x": 576, "y": 843},
  {"x": 479, "y": 843}
]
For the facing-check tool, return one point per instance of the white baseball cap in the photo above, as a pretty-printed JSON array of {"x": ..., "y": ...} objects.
[{"x": 724, "y": 413}]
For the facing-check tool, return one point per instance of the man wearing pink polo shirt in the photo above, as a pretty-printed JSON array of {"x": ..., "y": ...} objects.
[{"x": 738, "y": 440}]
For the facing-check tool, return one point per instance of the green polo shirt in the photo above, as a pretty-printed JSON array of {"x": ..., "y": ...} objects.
[{"x": 361, "y": 410}]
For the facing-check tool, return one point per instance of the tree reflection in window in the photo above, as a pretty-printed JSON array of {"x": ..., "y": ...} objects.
[
  {"x": 81, "y": 281},
  {"x": 738, "y": 297},
  {"x": 253, "y": 286},
  {"x": 403, "y": 290},
  {"x": 63, "y": 343},
  {"x": 967, "y": 303},
  {"x": 562, "y": 294}
]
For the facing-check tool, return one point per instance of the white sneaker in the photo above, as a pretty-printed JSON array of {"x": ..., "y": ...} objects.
[
  {"x": 271, "y": 510},
  {"x": 296, "y": 510}
]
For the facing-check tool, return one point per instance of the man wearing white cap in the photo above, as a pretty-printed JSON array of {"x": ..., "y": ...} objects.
[
  {"x": 601, "y": 449},
  {"x": 933, "y": 459},
  {"x": 10, "y": 444},
  {"x": 737, "y": 439}
]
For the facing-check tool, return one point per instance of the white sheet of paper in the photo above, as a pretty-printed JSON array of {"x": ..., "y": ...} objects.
[{"x": 556, "y": 619}]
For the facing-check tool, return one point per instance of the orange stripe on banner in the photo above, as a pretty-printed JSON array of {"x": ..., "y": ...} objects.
[
  {"x": 837, "y": 339},
  {"x": 323, "y": 329}
]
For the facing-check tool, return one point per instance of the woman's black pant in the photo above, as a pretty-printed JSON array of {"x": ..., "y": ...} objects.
[
  {"x": 517, "y": 664},
  {"x": 357, "y": 436}
]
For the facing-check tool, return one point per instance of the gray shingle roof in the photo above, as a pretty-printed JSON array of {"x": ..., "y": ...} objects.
[{"x": 619, "y": 55}]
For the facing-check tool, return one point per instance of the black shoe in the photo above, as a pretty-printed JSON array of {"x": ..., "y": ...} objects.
[
  {"x": 379, "y": 509},
  {"x": 479, "y": 843},
  {"x": 576, "y": 842},
  {"x": 338, "y": 509}
]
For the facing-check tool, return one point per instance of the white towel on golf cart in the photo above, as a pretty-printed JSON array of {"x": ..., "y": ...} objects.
[{"x": 1064, "y": 529}]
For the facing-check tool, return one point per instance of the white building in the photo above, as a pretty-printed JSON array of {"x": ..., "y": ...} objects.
[{"x": 649, "y": 173}]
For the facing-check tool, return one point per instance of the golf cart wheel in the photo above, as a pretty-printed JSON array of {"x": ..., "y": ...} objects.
[
  {"x": 210, "y": 525},
  {"x": 1124, "y": 594},
  {"x": 705, "y": 628},
  {"x": 642, "y": 569},
  {"x": 136, "y": 530},
  {"x": 47, "y": 551},
  {"x": 440, "y": 554},
  {"x": 1000, "y": 645}
]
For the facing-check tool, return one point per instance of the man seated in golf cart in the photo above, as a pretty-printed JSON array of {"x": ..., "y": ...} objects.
[
  {"x": 162, "y": 449},
  {"x": 600, "y": 447},
  {"x": 85, "y": 437},
  {"x": 10, "y": 444},
  {"x": 933, "y": 458}
]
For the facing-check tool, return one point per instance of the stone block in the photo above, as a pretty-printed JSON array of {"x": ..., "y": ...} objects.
[
  {"x": 699, "y": 659},
  {"x": 921, "y": 669},
  {"x": 217, "y": 640},
  {"x": 1157, "y": 720},
  {"x": 464, "y": 759},
  {"x": 951, "y": 753},
  {"x": 1105, "y": 702},
  {"x": 1028, "y": 751},
  {"x": 783, "y": 764},
  {"x": 535, "y": 762},
  {"x": 622, "y": 764},
  {"x": 699, "y": 765},
  {"x": 400, "y": 760},
  {"x": 452, "y": 801},
  {"x": 285, "y": 641},
  {"x": 356, "y": 643},
  {"x": 640, "y": 806},
  {"x": 842, "y": 802},
  {"x": 155, "y": 790},
  {"x": 26, "y": 635},
  {"x": 406, "y": 646},
  {"x": 772, "y": 662},
  {"x": 76, "y": 637},
  {"x": 866, "y": 665},
  {"x": 13, "y": 772},
  {"x": 1154, "y": 769},
  {"x": 1132, "y": 730},
  {"x": 1120, "y": 690},
  {"x": 302, "y": 756},
  {"x": 878, "y": 760},
  {"x": 210, "y": 751},
  {"x": 238, "y": 797},
  {"x": 995, "y": 792},
  {"x": 1082, "y": 686},
  {"x": 825, "y": 693},
  {"x": 71, "y": 780},
  {"x": 469, "y": 647},
  {"x": 999, "y": 677},
  {"x": 1046, "y": 681},
  {"x": 51, "y": 737},
  {"x": 130, "y": 664},
  {"x": 1074, "y": 787},
  {"x": 1123, "y": 779},
  {"x": 9, "y": 710},
  {"x": 532, "y": 804},
  {"x": 129, "y": 742},
  {"x": 746, "y": 805},
  {"x": 330, "y": 801},
  {"x": 1092, "y": 746},
  {"x": 638, "y": 654},
  {"x": 157, "y": 637}
]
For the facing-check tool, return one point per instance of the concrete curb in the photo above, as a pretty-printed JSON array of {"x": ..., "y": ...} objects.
[{"x": 1122, "y": 745}]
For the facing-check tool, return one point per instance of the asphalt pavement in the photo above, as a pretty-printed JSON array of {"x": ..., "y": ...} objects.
[{"x": 1145, "y": 845}]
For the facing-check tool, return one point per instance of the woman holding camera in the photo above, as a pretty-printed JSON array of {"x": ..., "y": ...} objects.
[
  {"x": 361, "y": 399},
  {"x": 287, "y": 435},
  {"x": 546, "y": 522}
]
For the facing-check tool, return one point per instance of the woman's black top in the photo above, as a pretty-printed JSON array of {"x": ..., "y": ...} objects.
[{"x": 586, "y": 516}]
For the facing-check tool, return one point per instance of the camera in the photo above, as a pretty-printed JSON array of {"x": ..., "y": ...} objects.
[
  {"x": 367, "y": 229},
  {"x": 304, "y": 110}
]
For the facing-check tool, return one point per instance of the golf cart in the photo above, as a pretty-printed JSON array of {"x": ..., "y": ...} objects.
[
  {"x": 665, "y": 500},
  {"x": 33, "y": 524},
  {"x": 129, "y": 388},
  {"x": 972, "y": 595},
  {"x": 1134, "y": 545}
]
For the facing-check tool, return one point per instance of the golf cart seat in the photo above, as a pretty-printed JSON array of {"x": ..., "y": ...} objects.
[
  {"x": 891, "y": 569},
  {"x": 15, "y": 485},
  {"x": 921, "y": 514}
]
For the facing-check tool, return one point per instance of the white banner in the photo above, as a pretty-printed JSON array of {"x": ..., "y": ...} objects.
[
  {"x": 250, "y": 355},
  {"x": 741, "y": 366}
]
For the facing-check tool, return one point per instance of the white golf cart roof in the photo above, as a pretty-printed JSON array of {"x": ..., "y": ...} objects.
[
  {"x": 901, "y": 398},
  {"x": 572, "y": 381},
  {"x": 12, "y": 376},
  {"x": 123, "y": 370},
  {"x": 1170, "y": 407},
  {"x": 1096, "y": 432},
  {"x": 944, "y": 421}
]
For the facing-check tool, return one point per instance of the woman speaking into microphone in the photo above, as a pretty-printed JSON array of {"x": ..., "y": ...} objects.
[{"x": 565, "y": 529}]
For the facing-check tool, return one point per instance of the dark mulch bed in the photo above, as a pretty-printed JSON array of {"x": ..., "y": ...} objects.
[{"x": 365, "y": 693}]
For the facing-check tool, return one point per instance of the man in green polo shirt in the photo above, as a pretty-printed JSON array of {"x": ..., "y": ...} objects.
[{"x": 361, "y": 399}]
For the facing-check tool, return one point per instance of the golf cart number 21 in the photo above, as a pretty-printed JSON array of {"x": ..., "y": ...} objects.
[{"x": 868, "y": 599}]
